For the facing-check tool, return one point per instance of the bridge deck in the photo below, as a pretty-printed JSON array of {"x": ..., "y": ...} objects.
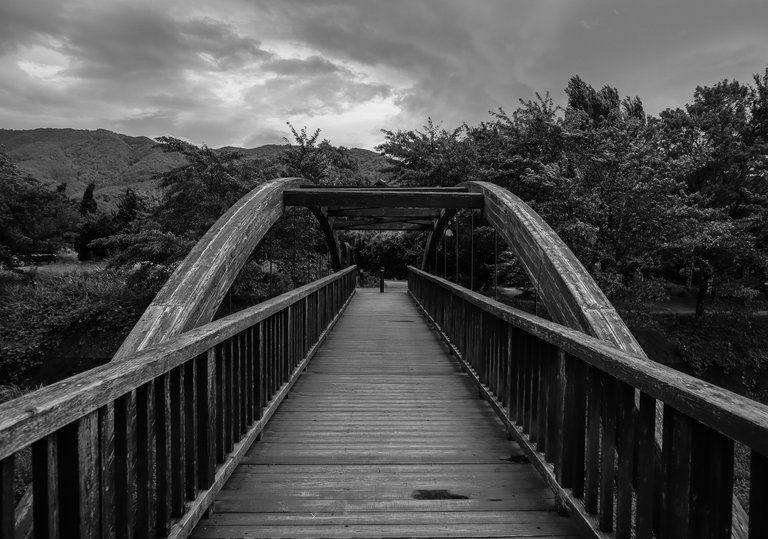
[{"x": 383, "y": 436}]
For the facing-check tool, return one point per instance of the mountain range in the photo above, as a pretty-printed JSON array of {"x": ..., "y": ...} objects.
[{"x": 114, "y": 162}]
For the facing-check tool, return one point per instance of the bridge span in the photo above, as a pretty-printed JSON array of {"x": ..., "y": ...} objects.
[
  {"x": 335, "y": 411},
  {"x": 384, "y": 436}
]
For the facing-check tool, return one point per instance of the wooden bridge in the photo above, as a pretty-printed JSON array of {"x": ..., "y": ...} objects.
[{"x": 332, "y": 411}]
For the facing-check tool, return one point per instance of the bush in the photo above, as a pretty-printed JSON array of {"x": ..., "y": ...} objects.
[{"x": 36, "y": 318}]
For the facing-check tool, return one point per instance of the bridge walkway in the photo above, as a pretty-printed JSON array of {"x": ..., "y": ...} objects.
[{"x": 384, "y": 436}]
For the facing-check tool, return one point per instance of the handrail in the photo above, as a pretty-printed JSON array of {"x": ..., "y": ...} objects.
[
  {"x": 174, "y": 411},
  {"x": 567, "y": 397}
]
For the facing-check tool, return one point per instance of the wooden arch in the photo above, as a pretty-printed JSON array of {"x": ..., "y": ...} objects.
[
  {"x": 194, "y": 292},
  {"x": 568, "y": 291}
]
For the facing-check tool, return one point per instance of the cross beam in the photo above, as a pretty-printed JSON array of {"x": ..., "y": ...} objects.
[{"x": 381, "y": 198}]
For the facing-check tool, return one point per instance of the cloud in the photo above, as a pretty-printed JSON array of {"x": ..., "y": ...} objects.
[{"x": 237, "y": 70}]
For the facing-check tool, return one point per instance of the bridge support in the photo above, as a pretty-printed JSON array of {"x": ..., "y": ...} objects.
[
  {"x": 433, "y": 240},
  {"x": 326, "y": 225},
  {"x": 194, "y": 292}
]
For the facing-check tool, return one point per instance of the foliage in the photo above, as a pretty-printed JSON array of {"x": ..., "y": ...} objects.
[
  {"x": 433, "y": 156},
  {"x": 88, "y": 203},
  {"x": 33, "y": 219},
  {"x": 37, "y": 316},
  {"x": 320, "y": 163}
]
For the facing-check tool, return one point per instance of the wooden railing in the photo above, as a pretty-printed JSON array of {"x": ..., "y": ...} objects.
[
  {"x": 139, "y": 448},
  {"x": 585, "y": 414}
]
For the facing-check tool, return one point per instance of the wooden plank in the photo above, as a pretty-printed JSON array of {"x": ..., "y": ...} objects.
[
  {"x": 178, "y": 441},
  {"x": 758, "y": 496},
  {"x": 107, "y": 471},
  {"x": 191, "y": 433},
  {"x": 418, "y": 213},
  {"x": 711, "y": 484},
  {"x": 45, "y": 486},
  {"x": 125, "y": 465},
  {"x": 27, "y": 419},
  {"x": 145, "y": 461},
  {"x": 7, "y": 498},
  {"x": 626, "y": 454},
  {"x": 678, "y": 438},
  {"x": 646, "y": 464},
  {"x": 203, "y": 502},
  {"x": 347, "y": 198},
  {"x": 741, "y": 419},
  {"x": 405, "y": 408},
  {"x": 207, "y": 404},
  {"x": 609, "y": 405}
]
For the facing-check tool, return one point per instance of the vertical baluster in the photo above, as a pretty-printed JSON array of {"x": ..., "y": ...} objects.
[
  {"x": 563, "y": 435},
  {"x": 242, "y": 378},
  {"x": 45, "y": 495},
  {"x": 522, "y": 365},
  {"x": 626, "y": 454},
  {"x": 576, "y": 410},
  {"x": 79, "y": 478},
  {"x": 758, "y": 496},
  {"x": 163, "y": 454},
  {"x": 177, "y": 441},
  {"x": 646, "y": 459},
  {"x": 511, "y": 361},
  {"x": 677, "y": 446},
  {"x": 221, "y": 395},
  {"x": 529, "y": 353},
  {"x": 106, "y": 437},
  {"x": 259, "y": 383},
  {"x": 234, "y": 385},
  {"x": 7, "y": 498},
  {"x": 539, "y": 406},
  {"x": 190, "y": 428},
  {"x": 711, "y": 484},
  {"x": 208, "y": 438},
  {"x": 125, "y": 464},
  {"x": 229, "y": 397},
  {"x": 250, "y": 390},
  {"x": 593, "y": 440},
  {"x": 608, "y": 455}
]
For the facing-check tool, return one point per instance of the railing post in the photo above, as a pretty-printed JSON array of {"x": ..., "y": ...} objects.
[{"x": 381, "y": 279}]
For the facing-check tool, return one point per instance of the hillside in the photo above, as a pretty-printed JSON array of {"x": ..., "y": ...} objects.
[{"x": 114, "y": 162}]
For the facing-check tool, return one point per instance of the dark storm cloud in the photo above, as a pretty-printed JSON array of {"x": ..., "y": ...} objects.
[
  {"x": 237, "y": 70},
  {"x": 314, "y": 65},
  {"x": 129, "y": 40}
]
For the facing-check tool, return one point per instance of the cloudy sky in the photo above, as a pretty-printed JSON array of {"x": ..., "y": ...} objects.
[{"x": 233, "y": 72}]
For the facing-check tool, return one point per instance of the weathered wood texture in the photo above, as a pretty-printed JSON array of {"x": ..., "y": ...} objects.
[
  {"x": 567, "y": 289},
  {"x": 130, "y": 449},
  {"x": 381, "y": 198},
  {"x": 571, "y": 296},
  {"x": 383, "y": 436},
  {"x": 195, "y": 290},
  {"x": 559, "y": 391}
]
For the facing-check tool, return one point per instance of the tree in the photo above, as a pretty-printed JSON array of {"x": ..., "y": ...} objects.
[
  {"x": 432, "y": 157},
  {"x": 32, "y": 218},
  {"x": 321, "y": 163},
  {"x": 88, "y": 203}
]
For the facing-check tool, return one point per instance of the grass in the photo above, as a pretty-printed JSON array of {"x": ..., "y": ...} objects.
[{"x": 22, "y": 472}]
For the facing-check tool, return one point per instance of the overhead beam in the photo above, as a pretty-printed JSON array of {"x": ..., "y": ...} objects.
[
  {"x": 419, "y": 213},
  {"x": 453, "y": 189},
  {"x": 382, "y": 198},
  {"x": 413, "y": 227}
]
